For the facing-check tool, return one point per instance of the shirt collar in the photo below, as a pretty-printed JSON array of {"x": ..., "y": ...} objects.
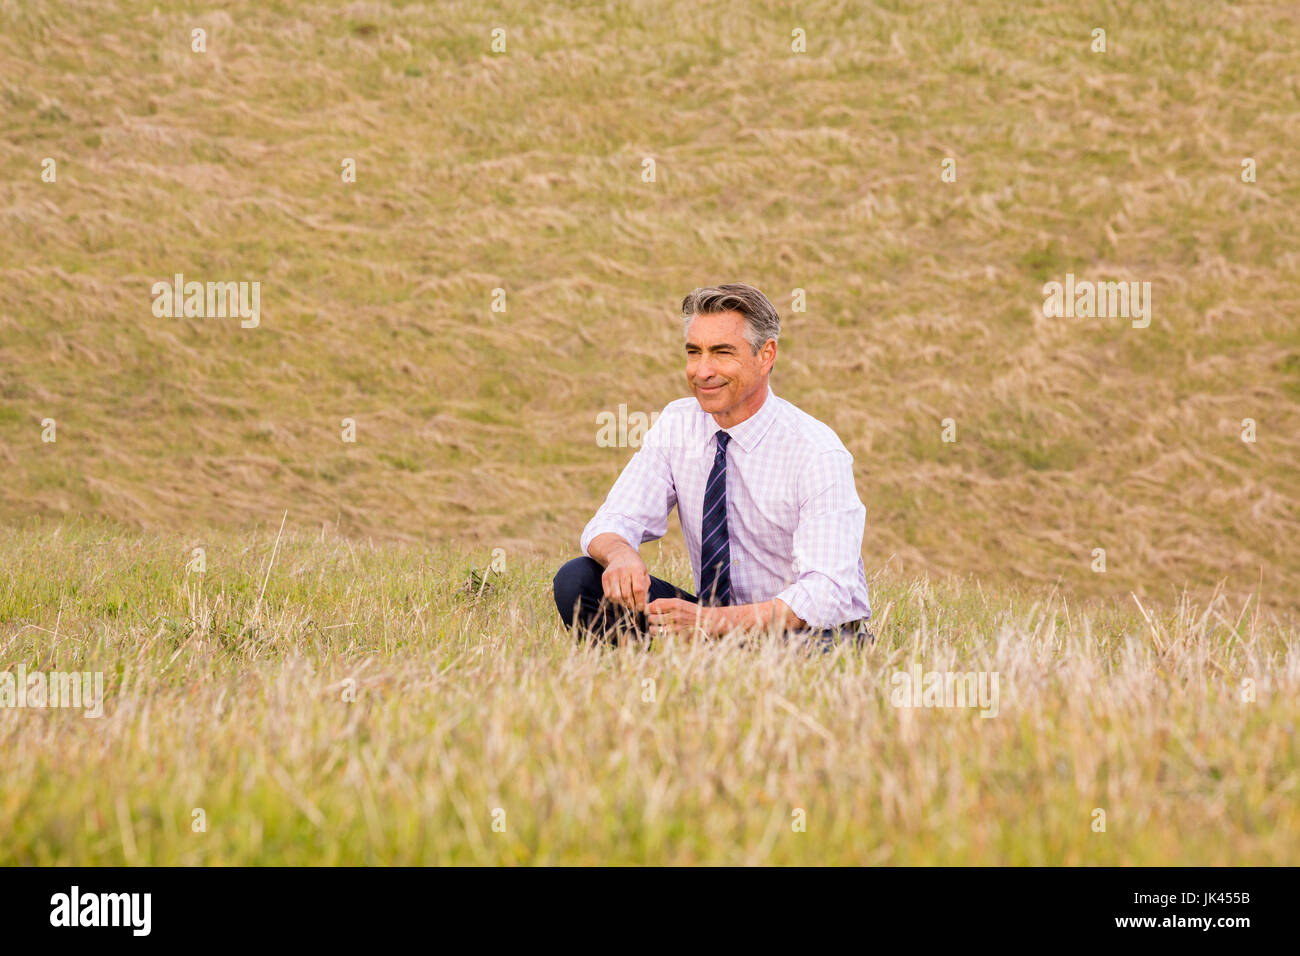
[{"x": 751, "y": 431}]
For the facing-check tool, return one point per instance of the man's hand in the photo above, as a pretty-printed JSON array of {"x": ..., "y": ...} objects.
[
  {"x": 674, "y": 614},
  {"x": 626, "y": 580}
]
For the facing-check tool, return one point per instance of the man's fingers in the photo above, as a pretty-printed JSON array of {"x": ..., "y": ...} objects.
[
  {"x": 618, "y": 587},
  {"x": 640, "y": 590},
  {"x": 627, "y": 586}
]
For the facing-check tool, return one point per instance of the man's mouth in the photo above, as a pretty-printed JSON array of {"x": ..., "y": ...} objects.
[{"x": 710, "y": 388}]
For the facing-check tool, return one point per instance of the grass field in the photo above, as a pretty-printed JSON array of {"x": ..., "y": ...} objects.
[
  {"x": 229, "y": 693},
  {"x": 476, "y": 430}
]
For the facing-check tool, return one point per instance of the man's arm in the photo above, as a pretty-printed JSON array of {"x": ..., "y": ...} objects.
[
  {"x": 762, "y": 614},
  {"x": 827, "y": 541},
  {"x": 635, "y": 511},
  {"x": 676, "y": 614}
]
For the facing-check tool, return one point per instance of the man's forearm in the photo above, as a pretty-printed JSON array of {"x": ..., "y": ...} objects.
[
  {"x": 605, "y": 546},
  {"x": 719, "y": 620}
]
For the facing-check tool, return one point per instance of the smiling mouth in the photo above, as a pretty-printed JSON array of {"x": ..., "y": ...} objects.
[{"x": 709, "y": 388}]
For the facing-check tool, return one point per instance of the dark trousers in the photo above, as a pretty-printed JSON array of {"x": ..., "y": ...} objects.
[{"x": 580, "y": 597}]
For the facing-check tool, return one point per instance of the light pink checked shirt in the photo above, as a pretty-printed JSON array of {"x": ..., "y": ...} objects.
[{"x": 794, "y": 518}]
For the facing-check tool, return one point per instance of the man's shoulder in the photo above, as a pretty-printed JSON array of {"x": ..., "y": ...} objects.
[
  {"x": 811, "y": 434},
  {"x": 678, "y": 424}
]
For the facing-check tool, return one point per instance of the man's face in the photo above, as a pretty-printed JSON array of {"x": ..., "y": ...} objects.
[{"x": 727, "y": 378}]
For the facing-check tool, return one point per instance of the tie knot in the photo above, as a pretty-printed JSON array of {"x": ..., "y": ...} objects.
[{"x": 723, "y": 438}]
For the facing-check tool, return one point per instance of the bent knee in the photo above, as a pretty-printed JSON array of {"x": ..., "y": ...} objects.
[{"x": 576, "y": 577}]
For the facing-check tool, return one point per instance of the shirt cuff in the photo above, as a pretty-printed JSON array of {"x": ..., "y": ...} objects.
[
  {"x": 627, "y": 530},
  {"x": 799, "y": 598}
]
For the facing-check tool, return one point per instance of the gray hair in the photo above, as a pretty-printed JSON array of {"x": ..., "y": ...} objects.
[{"x": 761, "y": 319}]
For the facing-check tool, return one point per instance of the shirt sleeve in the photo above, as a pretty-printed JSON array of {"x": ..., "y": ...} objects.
[
  {"x": 827, "y": 542},
  {"x": 638, "y": 506}
]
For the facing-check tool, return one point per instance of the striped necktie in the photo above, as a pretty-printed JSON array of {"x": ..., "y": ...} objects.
[{"x": 715, "y": 547}]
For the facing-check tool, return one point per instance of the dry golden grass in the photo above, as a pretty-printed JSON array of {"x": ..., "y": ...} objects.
[{"x": 522, "y": 171}]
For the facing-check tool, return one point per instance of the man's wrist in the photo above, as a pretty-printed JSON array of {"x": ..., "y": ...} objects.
[
  {"x": 716, "y": 620},
  {"x": 786, "y": 615},
  {"x": 721, "y": 619}
]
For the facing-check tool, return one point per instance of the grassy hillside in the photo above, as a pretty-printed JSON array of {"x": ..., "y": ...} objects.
[
  {"x": 522, "y": 171},
  {"x": 227, "y": 692},
  {"x": 355, "y": 691}
]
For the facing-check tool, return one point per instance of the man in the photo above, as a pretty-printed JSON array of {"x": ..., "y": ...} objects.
[{"x": 765, "y": 495}]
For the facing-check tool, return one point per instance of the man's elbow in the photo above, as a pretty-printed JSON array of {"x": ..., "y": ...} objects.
[
  {"x": 828, "y": 602},
  {"x": 788, "y": 618}
]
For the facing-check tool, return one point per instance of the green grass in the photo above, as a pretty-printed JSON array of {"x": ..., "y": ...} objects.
[{"x": 469, "y": 696}]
